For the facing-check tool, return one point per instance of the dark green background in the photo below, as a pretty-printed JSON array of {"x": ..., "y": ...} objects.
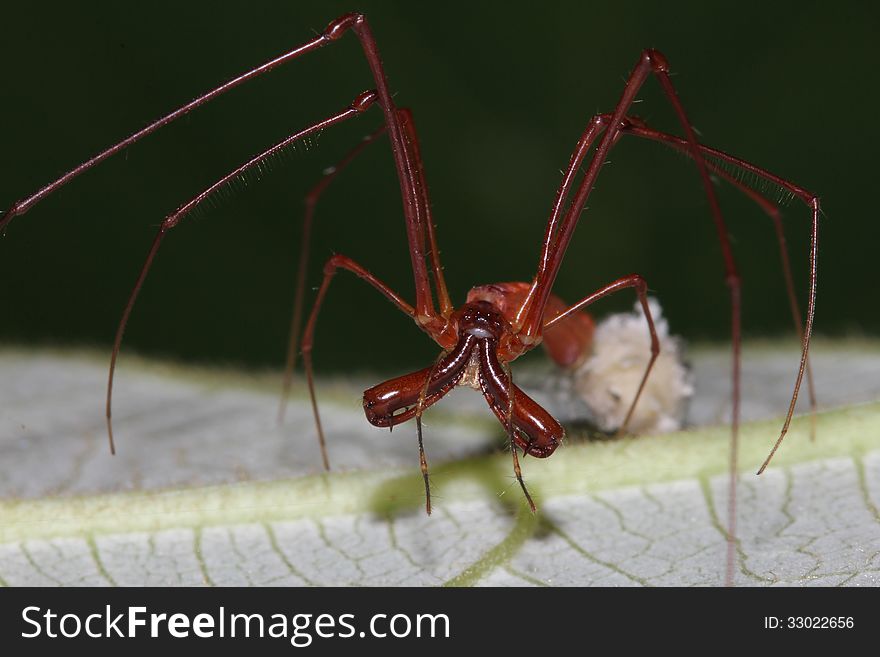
[{"x": 500, "y": 97}]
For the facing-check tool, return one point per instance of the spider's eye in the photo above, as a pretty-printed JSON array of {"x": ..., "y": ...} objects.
[{"x": 479, "y": 332}]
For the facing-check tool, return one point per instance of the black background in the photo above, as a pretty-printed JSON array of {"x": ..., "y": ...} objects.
[{"x": 500, "y": 97}]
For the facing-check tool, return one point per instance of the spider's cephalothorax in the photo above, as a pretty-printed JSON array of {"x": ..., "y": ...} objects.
[{"x": 481, "y": 328}]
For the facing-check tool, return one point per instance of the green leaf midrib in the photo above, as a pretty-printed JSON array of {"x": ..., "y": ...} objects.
[{"x": 574, "y": 469}]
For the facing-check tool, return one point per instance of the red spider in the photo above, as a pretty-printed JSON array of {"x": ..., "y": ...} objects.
[{"x": 498, "y": 322}]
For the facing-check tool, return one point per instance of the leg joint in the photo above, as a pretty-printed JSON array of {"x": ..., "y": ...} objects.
[
  {"x": 639, "y": 283},
  {"x": 364, "y": 101},
  {"x": 341, "y": 25},
  {"x": 657, "y": 60},
  {"x": 333, "y": 263}
]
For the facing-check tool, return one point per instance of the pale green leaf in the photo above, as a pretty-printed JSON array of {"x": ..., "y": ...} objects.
[{"x": 205, "y": 489}]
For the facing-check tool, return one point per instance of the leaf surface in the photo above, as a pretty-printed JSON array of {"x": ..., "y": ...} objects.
[{"x": 205, "y": 489}]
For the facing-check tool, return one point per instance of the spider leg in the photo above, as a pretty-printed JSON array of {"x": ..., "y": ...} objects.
[
  {"x": 409, "y": 171},
  {"x": 510, "y": 433},
  {"x": 420, "y": 408},
  {"x": 559, "y": 232},
  {"x": 411, "y": 142},
  {"x": 359, "y": 105},
  {"x": 334, "y": 263},
  {"x": 423, "y": 464},
  {"x": 638, "y": 128},
  {"x": 311, "y": 200},
  {"x": 641, "y": 288},
  {"x": 21, "y": 206}
]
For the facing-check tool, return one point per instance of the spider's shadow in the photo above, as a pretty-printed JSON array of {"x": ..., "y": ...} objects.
[{"x": 404, "y": 496}]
